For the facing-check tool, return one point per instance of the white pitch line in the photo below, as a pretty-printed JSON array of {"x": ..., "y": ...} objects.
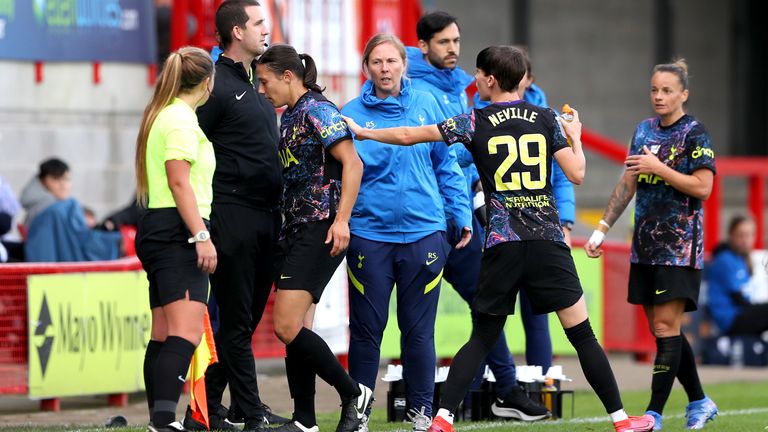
[{"x": 585, "y": 420}]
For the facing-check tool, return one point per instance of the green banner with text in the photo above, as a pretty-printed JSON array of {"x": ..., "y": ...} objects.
[{"x": 87, "y": 333}]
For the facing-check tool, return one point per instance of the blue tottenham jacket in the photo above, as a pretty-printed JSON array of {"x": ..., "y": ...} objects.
[
  {"x": 565, "y": 197},
  {"x": 726, "y": 277},
  {"x": 447, "y": 86},
  {"x": 400, "y": 195}
]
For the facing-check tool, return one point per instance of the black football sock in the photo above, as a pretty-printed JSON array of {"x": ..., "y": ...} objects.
[
  {"x": 595, "y": 365},
  {"x": 688, "y": 373},
  {"x": 301, "y": 384},
  {"x": 665, "y": 368},
  {"x": 486, "y": 330},
  {"x": 170, "y": 369},
  {"x": 150, "y": 356},
  {"x": 310, "y": 349}
]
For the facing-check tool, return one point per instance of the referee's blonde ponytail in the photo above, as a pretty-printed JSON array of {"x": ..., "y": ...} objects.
[{"x": 183, "y": 70}]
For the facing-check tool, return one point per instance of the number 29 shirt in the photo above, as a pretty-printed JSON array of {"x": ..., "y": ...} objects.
[{"x": 512, "y": 144}]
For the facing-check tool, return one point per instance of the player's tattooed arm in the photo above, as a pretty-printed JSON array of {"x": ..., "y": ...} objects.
[{"x": 620, "y": 198}]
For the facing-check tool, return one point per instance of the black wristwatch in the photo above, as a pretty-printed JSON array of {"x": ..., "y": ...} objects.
[{"x": 567, "y": 225}]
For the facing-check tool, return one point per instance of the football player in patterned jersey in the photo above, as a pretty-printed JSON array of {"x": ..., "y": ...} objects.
[
  {"x": 317, "y": 153},
  {"x": 512, "y": 143},
  {"x": 670, "y": 170}
]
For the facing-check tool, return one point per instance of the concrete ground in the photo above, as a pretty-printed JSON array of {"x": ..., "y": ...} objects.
[{"x": 18, "y": 410}]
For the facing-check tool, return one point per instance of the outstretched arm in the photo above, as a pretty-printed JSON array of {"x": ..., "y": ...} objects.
[{"x": 402, "y": 135}]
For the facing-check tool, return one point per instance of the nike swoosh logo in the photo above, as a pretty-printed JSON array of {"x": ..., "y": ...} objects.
[
  {"x": 658, "y": 372},
  {"x": 360, "y": 410},
  {"x": 429, "y": 262},
  {"x": 285, "y": 277},
  {"x": 181, "y": 378},
  {"x": 661, "y": 291},
  {"x": 240, "y": 96}
]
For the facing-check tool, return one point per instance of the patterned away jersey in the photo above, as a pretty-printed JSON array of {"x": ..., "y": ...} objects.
[
  {"x": 668, "y": 223},
  {"x": 512, "y": 144},
  {"x": 311, "y": 175}
]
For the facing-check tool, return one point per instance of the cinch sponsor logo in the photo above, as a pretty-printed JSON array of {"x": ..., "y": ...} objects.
[
  {"x": 327, "y": 131},
  {"x": 699, "y": 152},
  {"x": 85, "y": 14}
]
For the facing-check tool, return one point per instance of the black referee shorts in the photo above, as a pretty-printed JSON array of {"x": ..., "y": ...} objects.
[
  {"x": 304, "y": 261},
  {"x": 169, "y": 260},
  {"x": 657, "y": 284},
  {"x": 543, "y": 267}
]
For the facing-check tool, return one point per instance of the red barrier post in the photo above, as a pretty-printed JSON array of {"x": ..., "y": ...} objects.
[
  {"x": 117, "y": 400},
  {"x": 38, "y": 72},
  {"x": 97, "y": 73},
  {"x": 50, "y": 405},
  {"x": 712, "y": 214},
  {"x": 151, "y": 74},
  {"x": 179, "y": 26}
]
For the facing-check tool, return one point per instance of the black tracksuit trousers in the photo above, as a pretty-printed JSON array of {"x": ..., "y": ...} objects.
[{"x": 245, "y": 240}]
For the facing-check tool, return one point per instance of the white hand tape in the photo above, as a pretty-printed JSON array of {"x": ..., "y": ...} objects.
[{"x": 597, "y": 238}]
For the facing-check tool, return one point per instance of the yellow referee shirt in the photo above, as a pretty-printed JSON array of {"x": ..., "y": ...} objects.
[{"x": 176, "y": 135}]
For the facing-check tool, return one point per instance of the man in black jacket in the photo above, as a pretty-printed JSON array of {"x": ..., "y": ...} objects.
[{"x": 245, "y": 218}]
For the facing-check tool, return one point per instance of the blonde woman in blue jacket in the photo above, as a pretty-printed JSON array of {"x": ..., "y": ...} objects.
[{"x": 398, "y": 230}]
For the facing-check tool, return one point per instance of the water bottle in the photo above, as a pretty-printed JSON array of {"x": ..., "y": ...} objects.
[{"x": 548, "y": 395}]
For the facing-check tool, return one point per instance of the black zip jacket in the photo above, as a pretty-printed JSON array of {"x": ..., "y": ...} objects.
[{"x": 242, "y": 125}]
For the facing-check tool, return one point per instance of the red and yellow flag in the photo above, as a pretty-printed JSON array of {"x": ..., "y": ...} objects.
[{"x": 204, "y": 355}]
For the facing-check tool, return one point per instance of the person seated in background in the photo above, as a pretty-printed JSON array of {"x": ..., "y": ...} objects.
[
  {"x": 9, "y": 207},
  {"x": 51, "y": 184},
  {"x": 56, "y": 225},
  {"x": 728, "y": 278}
]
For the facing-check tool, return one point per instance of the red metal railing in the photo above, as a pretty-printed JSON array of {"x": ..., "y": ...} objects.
[
  {"x": 755, "y": 170},
  {"x": 13, "y": 320}
]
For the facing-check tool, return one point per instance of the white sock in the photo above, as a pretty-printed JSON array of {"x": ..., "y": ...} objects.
[
  {"x": 445, "y": 414},
  {"x": 619, "y": 415},
  {"x": 302, "y": 427}
]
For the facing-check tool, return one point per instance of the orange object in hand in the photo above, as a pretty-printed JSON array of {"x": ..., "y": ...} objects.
[{"x": 567, "y": 113}]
